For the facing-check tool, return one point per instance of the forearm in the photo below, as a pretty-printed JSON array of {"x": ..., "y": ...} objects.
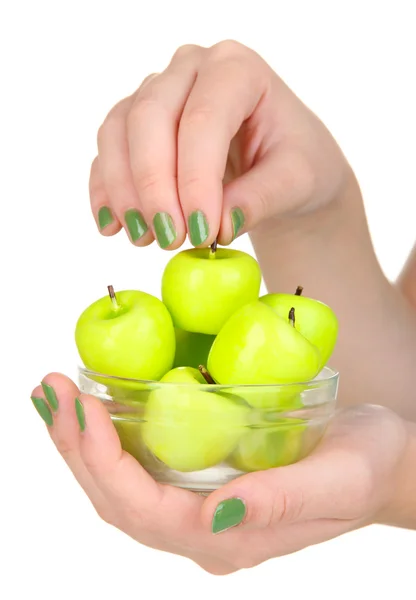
[
  {"x": 401, "y": 510},
  {"x": 332, "y": 257}
]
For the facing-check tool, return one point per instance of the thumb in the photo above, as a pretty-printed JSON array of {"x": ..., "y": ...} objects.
[
  {"x": 279, "y": 183},
  {"x": 337, "y": 481}
]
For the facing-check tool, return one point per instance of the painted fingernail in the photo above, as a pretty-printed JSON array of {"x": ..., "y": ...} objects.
[
  {"x": 50, "y": 396},
  {"x": 135, "y": 224},
  {"x": 104, "y": 217},
  {"x": 79, "y": 410},
  {"x": 43, "y": 409},
  {"x": 228, "y": 514},
  {"x": 164, "y": 229},
  {"x": 237, "y": 218},
  {"x": 198, "y": 228}
]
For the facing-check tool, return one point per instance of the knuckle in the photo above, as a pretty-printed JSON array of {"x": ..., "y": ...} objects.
[
  {"x": 143, "y": 105},
  {"x": 284, "y": 505},
  {"x": 228, "y": 48},
  {"x": 147, "y": 181},
  {"x": 186, "y": 50},
  {"x": 190, "y": 183},
  {"x": 101, "y": 134},
  {"x": 91, "y": 465},
  {"x": 113, "y": 118},
  {"x": 287, "y": 507},
  {"x": 65, "y": 449},
  {"x": 197, "y": 115},
  {"x": 145, "y": 81},
  {"x": 278, "y": 509}
]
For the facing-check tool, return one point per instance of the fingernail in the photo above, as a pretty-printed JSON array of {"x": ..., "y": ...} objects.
[
  {"x": 50, "y": 396},
  {"x": 79, "y": 409},
  {"x": 198, "y": 228},
  {"x": 135, "y": 224},
  {"x": 43, "y": 409},
  {"x": 228, "y": 514},
  {"x": 104, "y": 217},
  {"x": 237, "y": 218},
  {"x": 164, "y": 229}
]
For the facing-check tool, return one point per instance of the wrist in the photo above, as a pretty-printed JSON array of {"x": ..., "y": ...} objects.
[{"x": 332, "y": 222}]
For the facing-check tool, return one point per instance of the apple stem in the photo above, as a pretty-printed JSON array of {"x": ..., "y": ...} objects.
[
  {"x": 299, "y": 291},
  {"x": 292, "y": 316},
  {"x": 112, "y": 295},
  {"x": 205, "y": 374},
  {"x": 213, "y": 249}
]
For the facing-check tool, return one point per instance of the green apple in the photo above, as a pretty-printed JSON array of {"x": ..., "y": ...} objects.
[
  {"x": 189, "y": 428},
  {"x": 129, "y": 336},
  {"x": 131, "y": 439},
  {"x": 314, "y": 320},
  {"x": 268, "y": 448},
  {"x": 270, "y": 399},
  {"x": 256, "y": 346},
  {"x": 192, "y": 349},
  {"x": 202, "y": 288},
  {"x": 130, "y": 436}
]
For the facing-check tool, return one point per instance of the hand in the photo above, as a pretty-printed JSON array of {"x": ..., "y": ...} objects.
[
  {"x": 343, "y": 485},
  {"x": 215, "y": 115}
]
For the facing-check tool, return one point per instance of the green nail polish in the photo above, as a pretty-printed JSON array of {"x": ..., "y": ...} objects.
[
  {"x": 237, "y": 217},
  {"x": 198, "y": 228},
  {"x": 43, "y": 409},
  {"x": 228, "y": 514},
  {"x": 50, "y": 396},
  {"x": 79, "y": 409},
  {"x": 104, "y": 217},
  {"x": 135, "y": 224},
  {"x": 164, "y": 229}
]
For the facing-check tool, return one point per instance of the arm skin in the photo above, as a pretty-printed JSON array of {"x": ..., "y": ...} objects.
[{"x": 331, "y": 255}]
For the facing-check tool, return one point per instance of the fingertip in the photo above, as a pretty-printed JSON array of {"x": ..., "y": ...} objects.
[
  {"x": 235, "y": 498},
  {"x": 235, "y": 216},
  {"x": 222, "y": 513},
  {"x": 56, "y": 380},
  {"x": 37, "y": 392},
  {"x": 144, "y": 240},
  {"x": 169, "y": 232},
  {"x": 107, "y": 222}
]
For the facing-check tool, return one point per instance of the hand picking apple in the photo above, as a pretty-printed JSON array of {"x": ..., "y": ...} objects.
[{"x": 223, "y": 381}]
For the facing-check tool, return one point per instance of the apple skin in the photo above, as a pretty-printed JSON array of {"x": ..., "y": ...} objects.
[
  {"x": 256, "y": 346},
  {"x": 313, "y": 319},
  {"x": 189, "y": 429},
  {"x": 268, "y": 448},
  {"x": 201, "y": 289},
  {"x": 135, "y": 341},
  {"x": 270, "y": 399},
  {"x": 131, "y": 439},
  {"x": 192, "y": 349}
]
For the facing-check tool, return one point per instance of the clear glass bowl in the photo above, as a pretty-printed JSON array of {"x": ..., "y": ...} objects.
[{"x": 199, "y": 437}]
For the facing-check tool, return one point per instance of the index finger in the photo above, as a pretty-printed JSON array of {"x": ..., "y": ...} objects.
[{"x": 228, "y": 87}]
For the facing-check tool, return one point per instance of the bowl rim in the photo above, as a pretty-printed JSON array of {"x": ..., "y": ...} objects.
[{"x": 333, "y": 377}]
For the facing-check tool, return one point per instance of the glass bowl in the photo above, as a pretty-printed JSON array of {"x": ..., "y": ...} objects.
[{"x": 199, "y": 437}]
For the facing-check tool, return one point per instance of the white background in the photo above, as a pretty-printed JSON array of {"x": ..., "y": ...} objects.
[{"x": 63, "y": 65}]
